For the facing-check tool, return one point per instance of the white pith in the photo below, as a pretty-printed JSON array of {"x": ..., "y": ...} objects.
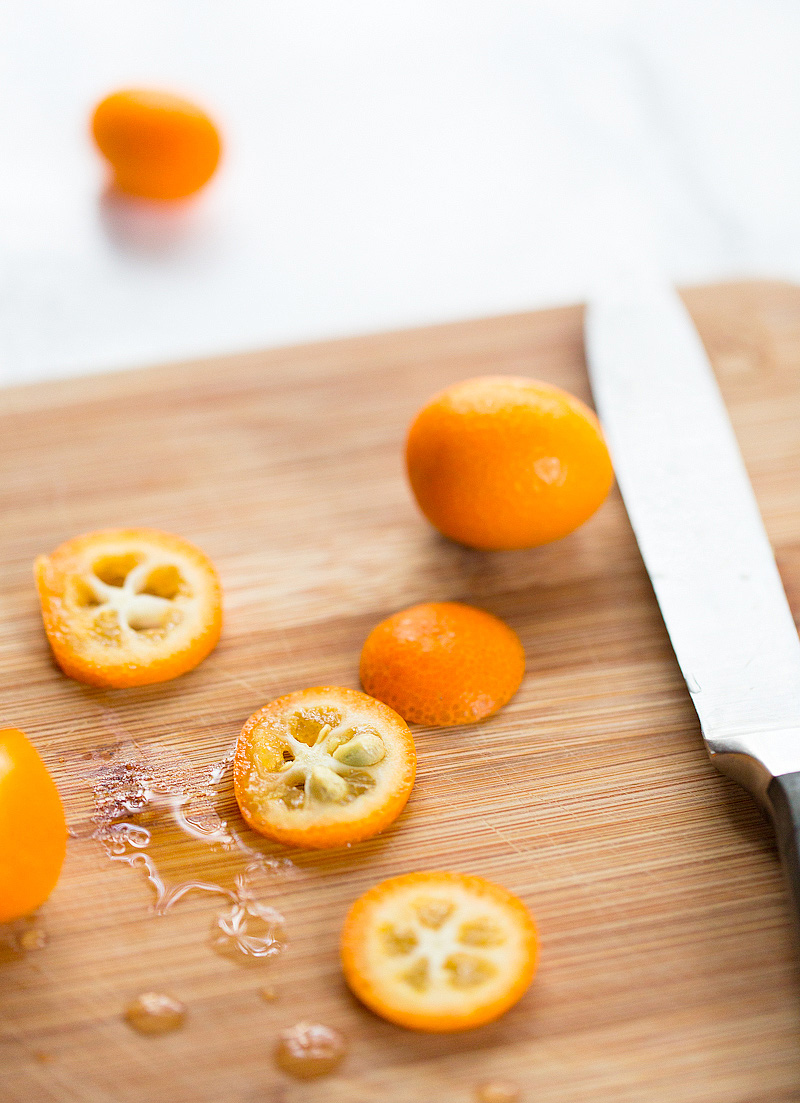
[
  {"x": 388, "y": 970},
  {"x": 437, "y": 945},
  {"x": 135, "y": 611},
  {"x": 333, "y": 737},
  {"x": 320, "y": 767},
  {"x": 114, "y": 622}
]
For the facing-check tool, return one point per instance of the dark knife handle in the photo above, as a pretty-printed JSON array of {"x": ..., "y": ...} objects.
[{"x": 784, "y": 799}]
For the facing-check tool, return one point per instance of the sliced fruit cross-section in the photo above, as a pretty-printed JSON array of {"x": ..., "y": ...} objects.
[
  {"x": 439, "y": 951},
  {"x": 127, "y": 607},
  {"x": 323, "y": 767}
]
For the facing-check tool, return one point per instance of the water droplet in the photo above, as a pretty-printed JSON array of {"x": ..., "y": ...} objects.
[
  {"x": 33, "y": 939},
  {"x": 22, "y": 936},
  {"x": 497, "y": 1091},
  {"x": 155, "y": 1013},
  {"x": 309, "y": 1050},
  {"x": 118, "y": 836},
  {"x": 218, "y": 771}
]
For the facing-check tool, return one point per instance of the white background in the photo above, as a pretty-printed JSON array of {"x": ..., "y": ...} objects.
[{"x": 387, "y": 164}]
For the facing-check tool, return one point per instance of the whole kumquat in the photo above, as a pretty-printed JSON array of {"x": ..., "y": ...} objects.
[
  {"x": 323, "y": 767},
  {"x": 33, "y": 833},
  {"x": 128, "y": 607},
  {"x": 442, "y": 663},
  {"x": 439, "y": 951},
  {"x": 506, "y": 462},
  {"x": 159, "y": 146}
]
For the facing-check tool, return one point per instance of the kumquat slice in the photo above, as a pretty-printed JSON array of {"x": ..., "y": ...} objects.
[
  {"x": 159, "y": 146},
  {"x": 323, "y": 767},
  {"x": 127, "y": 607},
  {"x": 439, "y": 951}
]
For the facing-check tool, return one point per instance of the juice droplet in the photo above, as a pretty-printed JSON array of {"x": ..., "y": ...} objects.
[
  {"x": 155, "y": 1013},
  {"x": 218, "y": 771},
  {"x": 247, "y": 929},
  {"x": 33, "y": 939},
  {"x": 268, "y": 993},
  {"x": 21, "y": 936},
  {"x": 497, "y": 1091},
  {"x": 309, "y": 1050}
]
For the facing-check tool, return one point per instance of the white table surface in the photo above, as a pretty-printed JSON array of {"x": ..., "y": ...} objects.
[{"x": 387, "y": 164}]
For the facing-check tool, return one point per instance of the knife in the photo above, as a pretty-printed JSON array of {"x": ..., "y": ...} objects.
[{"x": 703, "y": 542}]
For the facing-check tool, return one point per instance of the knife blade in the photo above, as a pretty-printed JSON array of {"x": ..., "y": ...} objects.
[{"x": 700, "y": 533}]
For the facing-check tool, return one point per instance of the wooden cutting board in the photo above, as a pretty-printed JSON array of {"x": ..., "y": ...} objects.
[{"x": 668, "y": 971}]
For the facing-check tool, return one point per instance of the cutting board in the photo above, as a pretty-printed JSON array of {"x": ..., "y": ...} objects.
[{"x": 667, "y": 970}]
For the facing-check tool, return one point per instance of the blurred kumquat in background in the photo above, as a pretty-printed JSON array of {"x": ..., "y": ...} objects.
[{"x": 159, "y": 146}]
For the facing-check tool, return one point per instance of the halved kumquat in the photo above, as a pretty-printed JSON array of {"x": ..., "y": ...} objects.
[
  {"x": 127, "y": 607},
  {"x": 442, "y": 663},
  {"x": 439, "y": 951},
  {"x": 323, "y": 767}
]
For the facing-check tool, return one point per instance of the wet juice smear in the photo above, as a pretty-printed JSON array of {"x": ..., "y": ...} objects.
[
  {"x": 155, "y": 1013},
  {"x": 153, "y": 812},
  {"x": 310, "y": 1050}
]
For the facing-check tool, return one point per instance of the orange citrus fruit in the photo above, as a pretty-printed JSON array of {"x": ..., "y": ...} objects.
[
  {"x": 506, "y": 462},
  {"x": 439, "y": 951},
  {"x": 33, "y": 833},
  {"x": 442, "y": 663},
  {"x": 127, "y": 607},
  {"x": 159, "y": 146},
  {"x": 323, "y": 767}
]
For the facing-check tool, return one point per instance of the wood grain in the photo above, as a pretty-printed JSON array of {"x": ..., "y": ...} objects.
[{"x": 668, "y": 970}]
